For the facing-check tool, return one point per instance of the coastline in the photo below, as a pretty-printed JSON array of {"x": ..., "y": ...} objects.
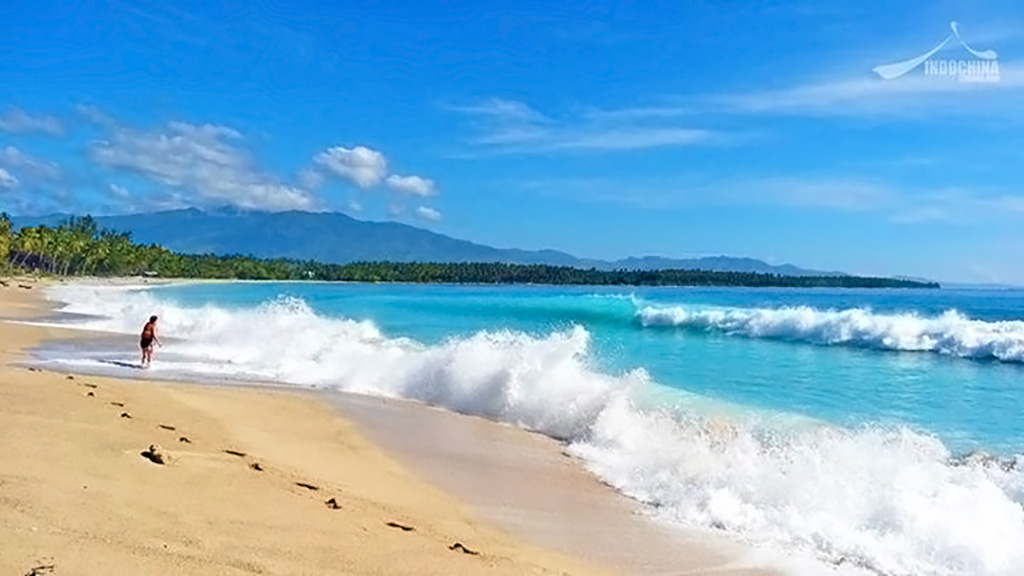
[{"x": 384, "y": 461}]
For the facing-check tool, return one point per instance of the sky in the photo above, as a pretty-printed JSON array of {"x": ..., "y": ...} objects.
[{"x": 795, "y": 132}]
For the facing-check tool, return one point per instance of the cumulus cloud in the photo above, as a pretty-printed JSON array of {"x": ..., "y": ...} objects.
[
  {"x": 7, "y": 180},
  {"x": 413, "y": 185},
  {"x": 204, "y": 160},
  {"x": 428, "y": 214},
  {"x": 363, "y": 166},
  {"x": 17, "y": 121}
]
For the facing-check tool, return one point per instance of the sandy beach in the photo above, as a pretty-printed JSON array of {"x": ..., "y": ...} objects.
[{"x": 101, "y": 475}]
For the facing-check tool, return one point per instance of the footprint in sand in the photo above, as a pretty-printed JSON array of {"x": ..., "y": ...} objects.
[
  {"x": 401, "y": 527},
  {"x": 184, "y": 440},
  {"x": 256, "y": 466},
  {"x": 155, "y": 455},
  {"x": 459, "y": 546},
  {"x": 333, "y": 504},
  {"x": 118, "y": 404},
  {"x": 307, "y": 486},
  {"x": 125, "y": 415},
  {"x": 166, "y": 427},
  {"x": 41, "y": 569},
  {"x": 235, "y": 453}
]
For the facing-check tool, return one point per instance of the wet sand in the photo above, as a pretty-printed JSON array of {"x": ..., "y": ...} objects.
[{"x": 524, "y": 483}]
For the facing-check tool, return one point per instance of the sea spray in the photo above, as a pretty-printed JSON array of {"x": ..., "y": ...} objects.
[
  {"x": 949, "y": 333},
  {"x": 882, "y": 498}
]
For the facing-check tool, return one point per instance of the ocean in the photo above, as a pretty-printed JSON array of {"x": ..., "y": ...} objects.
[{"x": 829, "y": 423}]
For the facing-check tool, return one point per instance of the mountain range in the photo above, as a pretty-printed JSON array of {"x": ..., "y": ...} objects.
[{"x": 333, "y": 237}]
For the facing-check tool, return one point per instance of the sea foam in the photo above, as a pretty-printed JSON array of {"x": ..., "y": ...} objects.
[
  {"x": 883, "y": 500},
  {"x": 949, "y": 333}
]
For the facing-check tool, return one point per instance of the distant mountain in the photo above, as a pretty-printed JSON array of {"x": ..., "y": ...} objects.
[{"x": 337, "y": 238}]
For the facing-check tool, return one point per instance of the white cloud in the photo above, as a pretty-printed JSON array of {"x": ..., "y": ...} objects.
[
  {"x": 36, "y": 168},
  {"x": 428, "y": 214},
  {"x": 363, "y": 166},
  {"x": 18, "y": 121},
  {"x": 311, "y": 179},
  {"x": 503, "y": 109},
  {"x": 839, "y": 194},
  {"x": 201, "y": 159},
  {"x": 810, "y": 193},
  {"x": 94, "y": 115},
  {"x": 1008, "y": 203},
  {"x": 120, "y": 191},
  {"x": 868, "y": 198},
  {"x": 510, "y": 126},
  {"x": 642, "y": 112},
  {"x": 413, "y": 185},
  {"x": 354, "y": 206},
  {"x": 7, "y": 180},
  {"x": 911, "y": 95},
  {"x": 396, "y": 210}
]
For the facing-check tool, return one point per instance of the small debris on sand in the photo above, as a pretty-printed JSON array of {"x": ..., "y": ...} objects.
[
  {"x": 256, "y": 466},
  {"x": 235, "y": 453},
  {"x": 307, "y": 486},
  {"x": 125, "y": 415},
  {"x": 25, "y": 286},
  {"x": 118, "y": 404},
  {"x": 42, "y": 569},
  {"x": 401, "y": 527},
  {"x": 166, "y": 427},
  {"x": 34, "y": 369},
  {"x": 86, "y": 384},
  {"x": 459, "y": 546},
  {"x": 184, "y": 440},
  {"x": 90, "y": 394},
  {"x": 70, "y": 377},
  {"x": 333, "y": 504},
  {"x": 155, "y": 455}
]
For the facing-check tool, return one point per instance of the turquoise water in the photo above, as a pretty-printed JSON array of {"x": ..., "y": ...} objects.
[
  {"x": 969, "y": 403},
  {"x": 823, "y": 423}
]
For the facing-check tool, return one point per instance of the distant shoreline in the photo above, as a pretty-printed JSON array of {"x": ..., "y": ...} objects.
[
  {"x": 79, "y": 248},
  {"x": 883, "y": 284}
]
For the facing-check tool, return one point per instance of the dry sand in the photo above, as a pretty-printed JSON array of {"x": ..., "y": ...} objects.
[{"x": 77, "y": 493}]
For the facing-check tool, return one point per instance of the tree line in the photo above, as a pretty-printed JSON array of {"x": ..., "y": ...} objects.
[{"x": 78, "y": 247}]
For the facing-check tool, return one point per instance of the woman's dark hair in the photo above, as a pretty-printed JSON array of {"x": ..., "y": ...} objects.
[{"x": 152, "y": 318}]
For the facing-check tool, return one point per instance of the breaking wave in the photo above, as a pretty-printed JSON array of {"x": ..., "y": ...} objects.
[
  {"x": 949, "y": 333},
  {"x": 886, "y": 500}
]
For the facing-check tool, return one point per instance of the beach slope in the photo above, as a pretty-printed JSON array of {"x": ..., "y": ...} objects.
[{"x": 102, "y": 476}]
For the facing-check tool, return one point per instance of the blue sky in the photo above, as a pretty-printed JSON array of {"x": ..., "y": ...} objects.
[{"x": 602, "y": 129}]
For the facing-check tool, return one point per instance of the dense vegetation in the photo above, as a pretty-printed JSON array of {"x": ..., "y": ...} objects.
[{"x": 77, "y": 247}]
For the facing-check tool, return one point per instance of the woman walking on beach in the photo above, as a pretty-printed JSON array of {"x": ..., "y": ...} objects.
[{"x": 147, "y": 340}]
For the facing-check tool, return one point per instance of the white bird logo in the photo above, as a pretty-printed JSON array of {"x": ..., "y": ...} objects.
[{"x": 897, "y": 69}]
